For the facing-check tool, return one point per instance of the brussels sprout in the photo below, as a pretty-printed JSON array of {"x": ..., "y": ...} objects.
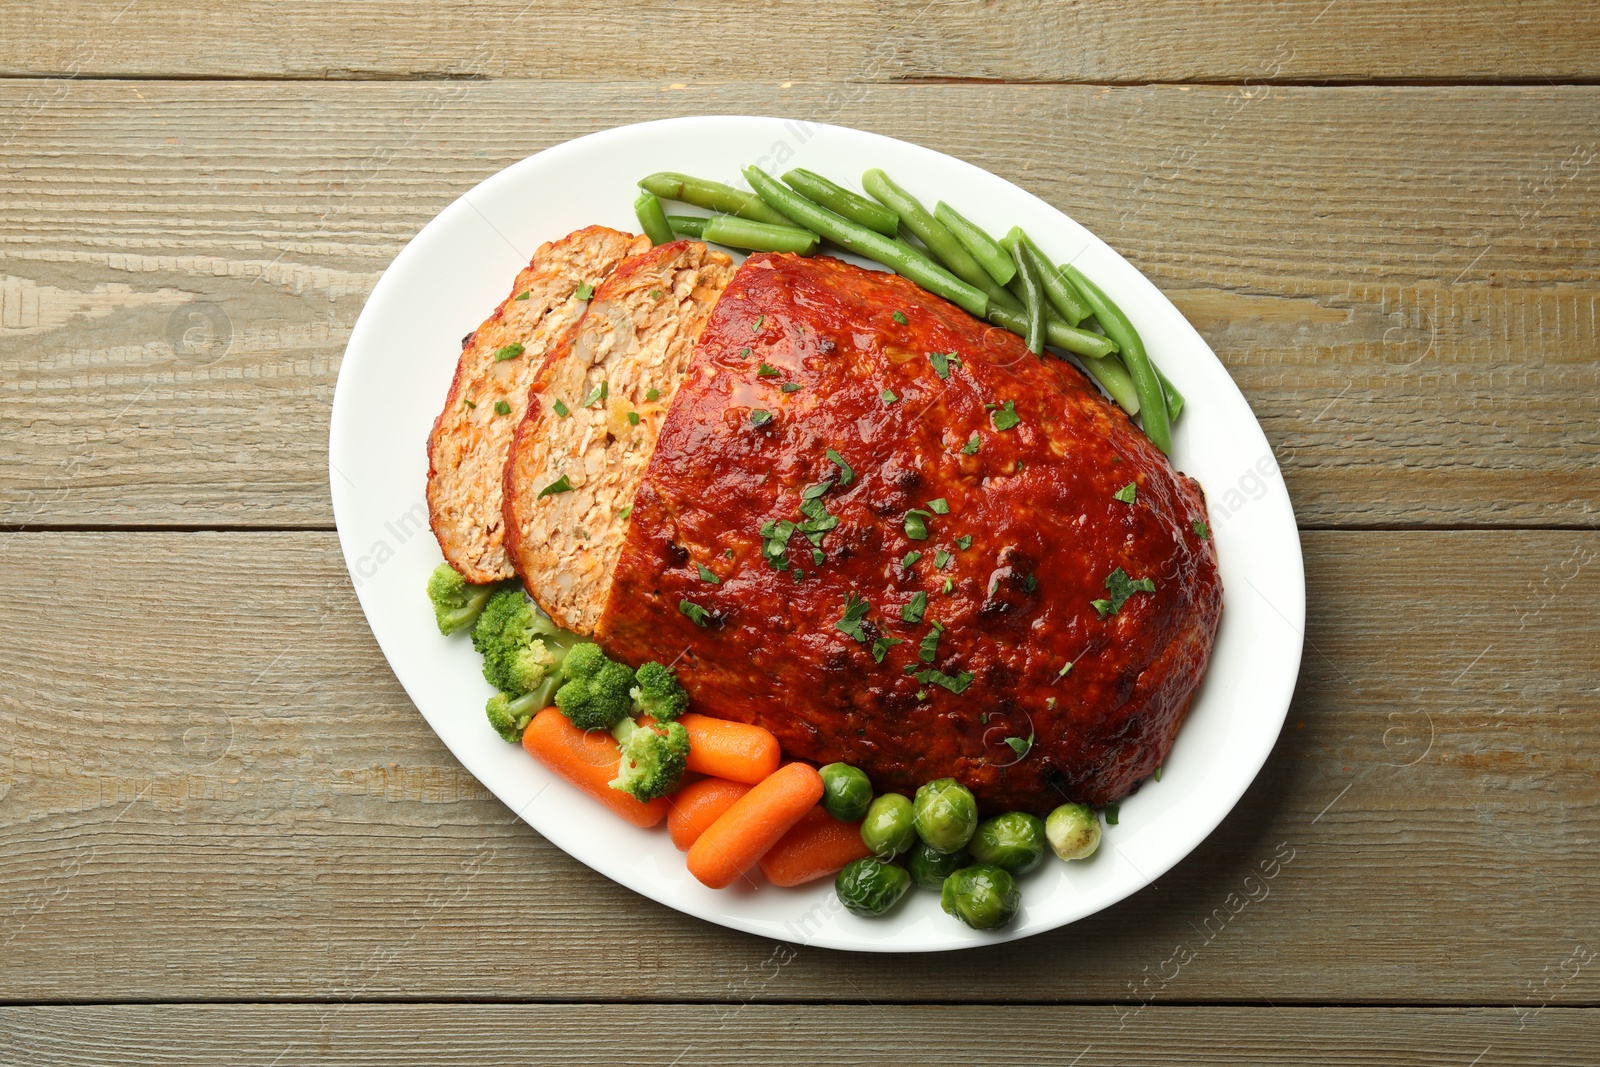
[
  {"x": 946, "y": 814},
  {"x": 1014, "y": 841},
  {"x": 887, "y": 829},
  {"x": 870, "y": 886},
  {"x": 846, "y": 792},
  {"x": 983, "y": 896},
  {"x": 1074, "y": 831},
  {"x": 929, "y": 867}
]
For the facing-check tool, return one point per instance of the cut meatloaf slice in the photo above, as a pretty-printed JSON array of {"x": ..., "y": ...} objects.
[
  {"x": 499, "y": 360},
  {"x": 592, "y": 422}
]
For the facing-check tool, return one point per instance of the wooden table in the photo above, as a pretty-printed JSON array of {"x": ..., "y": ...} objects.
[{"x": 225, "y": 834}]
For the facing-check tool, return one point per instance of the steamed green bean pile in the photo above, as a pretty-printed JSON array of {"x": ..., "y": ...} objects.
[{"x": 1009, "y": 282}]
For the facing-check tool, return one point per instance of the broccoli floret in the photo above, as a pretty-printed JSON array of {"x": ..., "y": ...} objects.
[
  {"x": 658, "y": 693},
  {"x": 653, "y": 758},
  {"x": 457, "y": 603},
  {"x": 523, "y": 651},
  {"x": 595, "y": 694},
  {"x": 510, "y": 715}
]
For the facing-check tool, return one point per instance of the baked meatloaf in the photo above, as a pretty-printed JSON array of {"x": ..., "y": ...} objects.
[{"x": 892, "y": 536}]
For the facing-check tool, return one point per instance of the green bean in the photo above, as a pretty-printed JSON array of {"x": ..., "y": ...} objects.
[
  {"x": 1057, "y": 333},
  {"x": 1062, "y": 296},
  {"x": 688, "y": 225},
  {"x": 713, "y": 196},
  {"x": 1032, "y": 301},
  {"x": 1174, "y": 398},
  {"x": 1152, "y": 401},
  {"x": 841, "y": 201},
  {"x": 758, "y": 236},
  {"x": 854, "y": 237},
  {"x": 652, "y": 220},
  {"x": 985, "y": 249},
  {"x": 1110, "y": 375},
  {"x": 942, "y": 244}
]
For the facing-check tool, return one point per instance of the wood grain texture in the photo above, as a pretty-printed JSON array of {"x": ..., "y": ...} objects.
[
  {"x": 1010, "y": 40},
  {"x": 1401, "y": 280},
  {"x": 211, "y": 786},
  {"x": 485, "y": 1035}
]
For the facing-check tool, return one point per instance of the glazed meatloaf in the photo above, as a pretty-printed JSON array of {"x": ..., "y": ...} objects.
[{"x": 893, "y": 537}]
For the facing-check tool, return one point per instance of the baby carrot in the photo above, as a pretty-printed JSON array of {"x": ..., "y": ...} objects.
[
  {"x": 697, "y": 805},
  {"x": 588, "y": 759},
  {"x": 731, "y": 750},
  {"x": 754, "y": 824},
  {"x": 815, "y": 847}
]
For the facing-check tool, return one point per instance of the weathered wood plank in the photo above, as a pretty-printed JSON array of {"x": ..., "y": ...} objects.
[
  {"x": 1401, "y": 280},
  {"x": 1013, "y": 40},
  {"x": 211, "y": 786},
  {"x": 478, "y": 1035}
]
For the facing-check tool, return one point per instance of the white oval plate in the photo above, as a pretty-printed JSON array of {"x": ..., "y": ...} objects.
[{"x": 398, "y": 366}]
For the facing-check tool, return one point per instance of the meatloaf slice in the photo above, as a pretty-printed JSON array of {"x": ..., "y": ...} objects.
[
  {"x": 591, "y": 425},
  {"x": 892, "y": 536},
  {"x": 499, "y": 360}
]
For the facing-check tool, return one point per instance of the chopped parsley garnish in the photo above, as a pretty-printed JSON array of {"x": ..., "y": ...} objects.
[
  {"x": 633, "y": 418},
  {"x": 560, "y": 485},
  {"x": 1030, "y": 583},
  {"x": 510, "y": 351},
  {"x": 949, "y": 584},
  {"x": 846, "y": 475},
  {"x": 955, "y": 683},
  {"x": 760, "y": 417},
  {"x": 469, "y": 403},
  {"x": 1062, "y": 673},
  {"x": 655, "y": 294},
  {"x": 797, "y": 574},
  {"x": 928, "y": 650},
  {"x": 502, "y": 408},
  {"x": 1157, "y": 775},
  {"x": 964, "y": 542},
  {"x": 909, "y": 558},
  {"x": 971, "y": 447},
  {"x": 1127, "y": 493},
  {"x": 744, "y": 353},
  {"x": 766, "y": 370},
  {"x": 941, "y": 559},
  {"x": 1122, "y": 587},
  {"x": 812, "y": 492},
  {"x": 652, "y": 394},
  {"x": 585, "y": 291},
  {"x": 1005, "y": 416},
  {"x": 707, "y": 574},
  {"x": 940, "y": 506},
  {"x": 818, "y": 557},
  {"x": 818, "y": 522},
  {"x": 855, "y": 609},
  {"x": 775, "y": 543},
  {"x": 898, "y": 317},
  {"x": 597, "y": 394},
  {"x": 917, "y": 524},
  {"x": 1112, "y": 812},
  {"x": 1201, "y": 530},
  {"x": 914, "y": 611},
  {"x": 560, "y": 408},
  {"x": 757, "y": 327},
  {"x": 1020, "y": 745},
  {"x": 941, "y": 363},
  {"x": 523, "y": 295},
  {"x": 1050, "y": 702},
  {"x": 881, "y": 647},
  {"x": 695, "y": 612},
  {"x": 790, "y": 387},
  {"x": 625, "y": 512},
  {"x": 888, "y": 396}
]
